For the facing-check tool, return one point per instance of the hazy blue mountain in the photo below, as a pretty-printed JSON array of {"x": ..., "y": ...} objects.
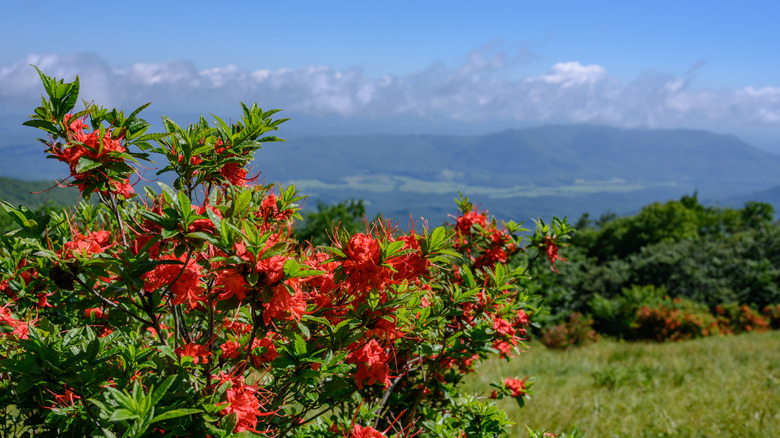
[
  {"x": 562, "y": 170},
  {"x": 547, "y": 170},
  {"x": 770, "y": 195},
  {"x": 543, "y": 156}
]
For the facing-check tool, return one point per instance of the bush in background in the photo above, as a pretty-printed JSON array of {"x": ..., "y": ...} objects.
[{"x": 575, "y": 332}]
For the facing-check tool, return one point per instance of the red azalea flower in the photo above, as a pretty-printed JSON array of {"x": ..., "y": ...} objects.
[
  {"x": 235, "y": 173},
  {"x": 284, "y": 305},
  {"x": 230, "y": 350},
  {"x": 242, "y": 401},
  {"x": 271, "y": 270},
  {"x": 365, "y": 432},
  {"x": 232, "y": 284},
  {"x": 43, "y": 300},
  {"x": 363, "y": 264},
  {"x": 502, "y": 326},
  {"x": 464, "y": 223},
  {"x": 268, "y": 208},
  {"x": 504, "y": 348},
  {"x": 94, "y": 312},
  {"x": 371, "y": 360},
  {"x": 239, "y": 328},
  {"x": 412, "y": 264},
  {"x": 263, "y": 351},
  {"x": 197, "y": 352},
  {"x": 121, "y": 188},
  {"x": 203, "y": 224},
  {"x": 66, "y": 399},
  {"x": 186, "y": 288},
  {"x": 522, "y": 319},
  {"x": 516, "y": 386},
  {"x": 93, "y": 243},
  {"x": 552, "y": 252}
]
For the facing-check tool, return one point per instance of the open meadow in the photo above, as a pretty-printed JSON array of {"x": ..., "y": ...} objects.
[{"x": 711, "y": 387}]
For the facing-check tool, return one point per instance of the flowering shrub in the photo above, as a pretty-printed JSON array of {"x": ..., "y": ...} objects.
[
  {"x": 193, "y": 311},
  {"x": 577, "y": 331},
  {"x": 734, "y": 318},
  {"x": 772, "y": 314},
  {"x": 674, "y": 320}
]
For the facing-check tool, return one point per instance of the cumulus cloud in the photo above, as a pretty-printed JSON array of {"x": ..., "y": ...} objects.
[{"x": 485, "y": 86}]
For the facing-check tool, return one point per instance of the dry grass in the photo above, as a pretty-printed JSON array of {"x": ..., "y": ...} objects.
[{"x": 712, "y": 387}]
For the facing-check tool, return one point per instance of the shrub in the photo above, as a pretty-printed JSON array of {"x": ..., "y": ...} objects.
[
  {"x": 772, "y": 313},
  {"x": 734, "y": 318},
  {"x": 617, "y": 316},
  {"x": 674, "y": 320},
  {"x": 577, "y": 331},
  {"x": 193, "y": 311}
]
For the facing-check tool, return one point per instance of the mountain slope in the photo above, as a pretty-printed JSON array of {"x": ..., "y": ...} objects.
[{"x": 544, "y": 156}]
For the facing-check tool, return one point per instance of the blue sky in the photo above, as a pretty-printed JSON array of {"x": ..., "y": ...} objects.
[{"x": 413, "y": 64}]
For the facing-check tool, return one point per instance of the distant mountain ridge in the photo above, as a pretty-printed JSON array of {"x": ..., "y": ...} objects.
[
  {"x": 541, "y": 156},
  {"x": 33, "y": 194},
  {"x": 554, "y": 169}
]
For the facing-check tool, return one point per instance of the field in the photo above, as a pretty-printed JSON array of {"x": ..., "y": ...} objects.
[{"x": 717, "y": 386}]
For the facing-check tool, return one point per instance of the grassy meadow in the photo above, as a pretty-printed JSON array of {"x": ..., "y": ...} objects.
[{"x": 722, "y": 386}]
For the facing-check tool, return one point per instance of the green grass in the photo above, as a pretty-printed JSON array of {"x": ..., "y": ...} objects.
[
  {"x": 717, "y": 386},
  {"x": 383, "y": 183}
]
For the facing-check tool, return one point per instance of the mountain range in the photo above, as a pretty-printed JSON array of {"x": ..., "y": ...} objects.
[{"x": 561, "y": 170}]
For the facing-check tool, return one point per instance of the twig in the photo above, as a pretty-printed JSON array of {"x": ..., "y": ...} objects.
[{"x": 113, "y": 304}]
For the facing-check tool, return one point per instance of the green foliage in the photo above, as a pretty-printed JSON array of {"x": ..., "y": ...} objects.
[
  {"x": 320, "y": 227},
  {"x": 655, "y": 223},
  {"x": 682, "y": 249},
  {"x": 617, "y": 316}
]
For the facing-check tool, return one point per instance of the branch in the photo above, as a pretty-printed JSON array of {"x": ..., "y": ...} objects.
[{"x": 112, "y": 304}]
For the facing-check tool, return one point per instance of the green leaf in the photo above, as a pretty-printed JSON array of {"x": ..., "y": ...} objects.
[
  {"x": 43, "y": 124},
  {"x": 393, "y": 248},
  {"x": 300, "y": 345},
  {"x": 122, "y": 398},
  {"x": 72, "y": 97},
  {"x": 122, "y": 415},
  {"x": 317, "y": 319},
  {"x": 86, "y": 164},
  {"x": 175, "y": 413},
  {"x": 158, "y": 393},
  {"x": 216, "y": 220},
  {"x": 168, "y": 193},
  {"x": 243, "y": 200},
  {"x": 292, "y": 270},
  {"x": 304, "y": 330},
  {"x": 437, "y": 239},
  {"x": 184, "y": 204},
  {"x": 138, "y": 110},
  {"x": 107, "y": 433}
]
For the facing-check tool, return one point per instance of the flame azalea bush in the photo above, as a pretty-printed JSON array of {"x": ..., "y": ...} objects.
[{"x": 193, "y": 311}]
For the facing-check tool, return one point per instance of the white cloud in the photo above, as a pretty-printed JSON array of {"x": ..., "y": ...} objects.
[
  {"x": 572, "y": 74},
  {"x": 484, "y": 87}
]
